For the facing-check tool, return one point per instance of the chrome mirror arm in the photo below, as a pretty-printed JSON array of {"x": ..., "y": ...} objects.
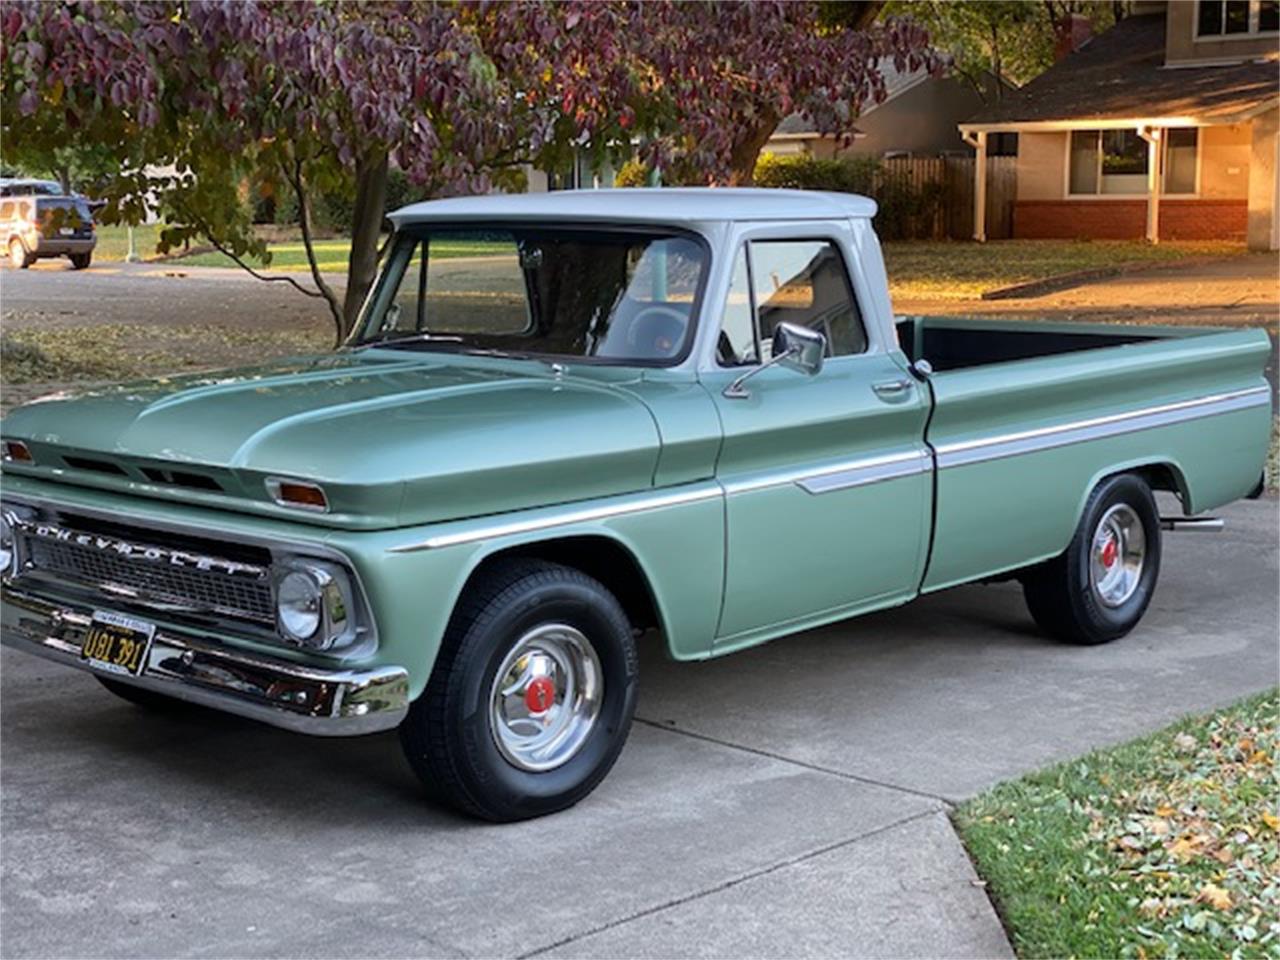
[{"x": 736, "y": 391}]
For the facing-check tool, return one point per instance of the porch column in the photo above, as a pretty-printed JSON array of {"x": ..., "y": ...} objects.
[
  {"x": 1152, "y": 136},
  {"x": 978, "y": 141}
]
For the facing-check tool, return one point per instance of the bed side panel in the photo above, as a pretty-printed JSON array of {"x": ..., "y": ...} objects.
[{"x": 1020, "y": 445}]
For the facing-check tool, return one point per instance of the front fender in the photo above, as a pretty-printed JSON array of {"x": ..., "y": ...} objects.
[{"x": 415, "y": 576}]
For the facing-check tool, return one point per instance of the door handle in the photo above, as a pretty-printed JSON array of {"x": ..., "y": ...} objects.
[{"x": 893, "y": 389}]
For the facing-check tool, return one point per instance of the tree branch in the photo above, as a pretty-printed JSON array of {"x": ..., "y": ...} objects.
[
  {"x": 308, "y": 242},
  {"x": 255, "y": 274}
]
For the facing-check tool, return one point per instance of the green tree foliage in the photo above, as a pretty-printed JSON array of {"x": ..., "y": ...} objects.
[
  {"x": 317, "y": 100},
  {"x": 1010, "y": 39}
]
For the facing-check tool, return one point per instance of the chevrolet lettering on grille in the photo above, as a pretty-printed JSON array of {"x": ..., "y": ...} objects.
[{"x": 146, "y": 553}]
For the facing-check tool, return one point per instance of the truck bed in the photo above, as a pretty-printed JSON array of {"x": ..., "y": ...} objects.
[
  {"x": 1028, "y": 417},
  {"x": 954, "y": 343}
]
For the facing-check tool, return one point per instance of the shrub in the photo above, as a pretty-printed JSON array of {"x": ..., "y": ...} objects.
[
  {"x": 907, "y": 210},
  {"x": 633, "y": 173}
]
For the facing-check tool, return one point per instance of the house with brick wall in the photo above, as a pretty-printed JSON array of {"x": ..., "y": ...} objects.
[{"x": 1163, "y": 127}]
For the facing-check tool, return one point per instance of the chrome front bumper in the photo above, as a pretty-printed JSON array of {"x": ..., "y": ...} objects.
[{"x": 330, "y": 703}]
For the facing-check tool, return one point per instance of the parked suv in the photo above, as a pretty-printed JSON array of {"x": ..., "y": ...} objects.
[{"x": 35, "y": 226}]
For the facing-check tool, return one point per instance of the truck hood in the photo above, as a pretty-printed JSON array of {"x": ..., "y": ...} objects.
[{"x": 394, "y": 440}]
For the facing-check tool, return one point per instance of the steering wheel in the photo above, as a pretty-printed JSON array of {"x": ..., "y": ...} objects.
[{"x": 657, "y": 330}]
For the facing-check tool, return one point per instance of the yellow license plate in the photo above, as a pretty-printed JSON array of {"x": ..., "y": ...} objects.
[{"x": 116, "y": 643}]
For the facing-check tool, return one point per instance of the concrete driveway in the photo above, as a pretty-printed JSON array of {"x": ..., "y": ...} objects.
[{"x": 790, "y": 800}]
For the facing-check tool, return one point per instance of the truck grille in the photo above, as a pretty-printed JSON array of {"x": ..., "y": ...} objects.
[{"x": 170, "y": 577}]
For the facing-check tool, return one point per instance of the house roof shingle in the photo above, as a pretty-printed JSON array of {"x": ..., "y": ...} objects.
[{"x": 1120, "y": 74}]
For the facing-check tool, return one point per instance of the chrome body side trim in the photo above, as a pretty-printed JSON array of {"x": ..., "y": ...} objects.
[
  {"x": 861, "y": 473},
  {"x": 323, "y": 702},
  {"x": 501, "y": 528},
  {"x": 1081, "y": 431},
  {"x": 839, "y": 476}
]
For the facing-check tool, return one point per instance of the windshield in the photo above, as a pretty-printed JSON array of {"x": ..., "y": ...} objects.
[{"x": 618, "y": 296}]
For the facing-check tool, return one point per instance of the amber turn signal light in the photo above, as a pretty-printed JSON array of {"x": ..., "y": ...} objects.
[
  {"x": 294, "y": 493},
  {"x": 15, "y": 451}
]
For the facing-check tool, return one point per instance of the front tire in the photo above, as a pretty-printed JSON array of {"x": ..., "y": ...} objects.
[
  {"x": 1099, "y": 588},
  {"x": 532, "y": 694}
]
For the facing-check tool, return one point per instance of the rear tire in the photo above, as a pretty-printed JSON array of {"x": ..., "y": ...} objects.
[
  {"x": 531, "y": 697},
  {"x": 1099, "y": 588},
  {"x": 18, "y": 255},
  {"x": 141, "y": 697},
  {"x": 80, "y": 261}
]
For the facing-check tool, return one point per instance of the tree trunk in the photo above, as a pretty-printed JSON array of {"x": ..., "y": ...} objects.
[
  {"x": 746, "y": 151},
  {"x": 64, "y": 180},
  {"x": 366, "y": 227}
]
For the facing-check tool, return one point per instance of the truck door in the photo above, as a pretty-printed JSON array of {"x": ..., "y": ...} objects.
[{"x": 827, "y": 478}]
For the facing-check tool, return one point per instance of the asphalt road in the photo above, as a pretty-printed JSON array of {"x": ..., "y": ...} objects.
[{"x": 790, "y": 800}]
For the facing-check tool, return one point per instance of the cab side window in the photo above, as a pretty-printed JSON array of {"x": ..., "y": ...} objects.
[{"x": 802, "y": 282}]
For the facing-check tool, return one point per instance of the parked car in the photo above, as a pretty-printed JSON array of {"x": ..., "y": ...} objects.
[
  {"x": 563, "y": 420},
  {"x": 25, "y": 186},
  {"x": 36, "y": 226}
]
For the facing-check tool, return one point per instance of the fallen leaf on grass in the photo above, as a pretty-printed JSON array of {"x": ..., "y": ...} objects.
[
  {"x": 1185, "y": 848},
  {"x": 1214, "y": 896},
  {"x": 1185, "y": 743},
  {"x": 1271, "y": 820}
]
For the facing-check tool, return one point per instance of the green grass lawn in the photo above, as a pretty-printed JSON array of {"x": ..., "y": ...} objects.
[
  {"x": 119, "y": 351},
  {"x": 331, "y": 255},
  {"x": 1164, "y": 847},
  {"x": 113, "y": 242},
  {"x": 953, "y": 270}
]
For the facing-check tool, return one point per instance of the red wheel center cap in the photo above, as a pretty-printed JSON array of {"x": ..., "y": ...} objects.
[
  {"x": 540, "y": 694},
  {"x": 1109, "y": 551}
]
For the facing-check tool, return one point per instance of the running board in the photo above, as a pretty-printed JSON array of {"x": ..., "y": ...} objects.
[{"x": 1204, "y": 524}]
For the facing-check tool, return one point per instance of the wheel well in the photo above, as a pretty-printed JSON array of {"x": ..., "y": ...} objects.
[
  {"x": 1162, "y": 476},
  {"x": 605, "y": 560}
]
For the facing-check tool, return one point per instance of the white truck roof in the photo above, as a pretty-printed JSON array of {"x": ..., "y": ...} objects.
[{"x": 646, "y": 205}]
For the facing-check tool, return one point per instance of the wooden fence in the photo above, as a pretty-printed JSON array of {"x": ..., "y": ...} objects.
[{"x": 935, "y": 197}]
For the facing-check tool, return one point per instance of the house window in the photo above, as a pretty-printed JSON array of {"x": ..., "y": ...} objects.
[
  {"x": 1228, "y": 18},
  {"x": 1114, "y": 162}
]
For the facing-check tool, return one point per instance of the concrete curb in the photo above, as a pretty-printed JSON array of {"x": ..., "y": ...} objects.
[{"x": 1065, "y": 281}]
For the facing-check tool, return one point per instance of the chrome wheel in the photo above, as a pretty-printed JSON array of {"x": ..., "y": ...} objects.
[
  {"x": 1117, "y": 555},
  {"x": 546, "y": 698}
]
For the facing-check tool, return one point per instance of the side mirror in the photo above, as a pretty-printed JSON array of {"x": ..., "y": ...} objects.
[
  {"x": 799, "y": 348},
  {"x": 794, "y": 347}
]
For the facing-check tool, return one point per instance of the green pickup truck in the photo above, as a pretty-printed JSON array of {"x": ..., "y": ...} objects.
[{"x": 567, "y": 419}]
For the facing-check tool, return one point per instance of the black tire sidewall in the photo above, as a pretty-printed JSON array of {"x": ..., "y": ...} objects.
[
  {"x": 508, "y": 790},
  {"x": 1102, "y": 622}
]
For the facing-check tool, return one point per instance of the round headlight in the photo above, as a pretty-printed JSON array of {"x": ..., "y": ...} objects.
[
  {"x": 298, "y": 605},
  {"x": 6, "y": 545}
]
